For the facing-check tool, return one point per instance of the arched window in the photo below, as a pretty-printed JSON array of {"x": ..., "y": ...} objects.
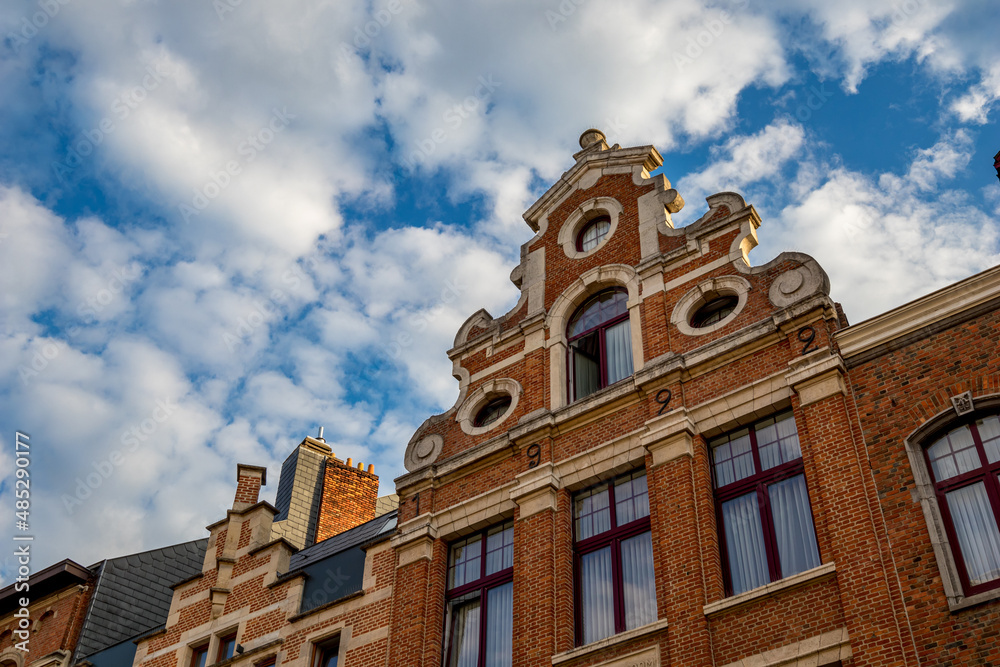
[
  {"x": 600, "y": 343},
  {"x": 964, "y": 464},
  {"x": 492, "y": 411}
]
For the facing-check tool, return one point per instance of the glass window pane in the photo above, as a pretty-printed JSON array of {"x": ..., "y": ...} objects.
[
  {"x": 976, "y": 528},
  {"x": 465, "y": 635},
  {"x": 594, "y": 233},
  {"x": 989, "y": 433},
  {"x": 745, "y": 543},
  {"x": 638, "y": 584},
  {"x": 596, "y": 595},
  {"x": 592, "y": 511},
  {"x": 631, "y": 498},
  {"x": 778, "y": 441},
  {"x": 585, "y": 356},
  {"x": 465, "y": 561},
  {"x": 500, "y": 548},
  {"x": 733, "y": 458},
  {"x": 618, "y": 350},
  {"x": 499, "y": 625},
  {"x": 954, "y": 454},
  {"x": 793, "y": 526}
]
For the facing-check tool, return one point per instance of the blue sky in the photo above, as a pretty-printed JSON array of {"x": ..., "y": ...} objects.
[{"x": 224, "y": 224}]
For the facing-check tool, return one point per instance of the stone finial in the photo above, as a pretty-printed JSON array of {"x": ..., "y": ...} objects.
[{"x": 591, "y": 137}]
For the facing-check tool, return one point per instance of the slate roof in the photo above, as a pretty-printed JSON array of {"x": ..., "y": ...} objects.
[
  {"x": 379, "y": 527},
  {"x": 133, "y": 593}
]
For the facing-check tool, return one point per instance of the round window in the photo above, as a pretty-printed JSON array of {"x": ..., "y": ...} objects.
[
  {"x": 492, "y": 411},
  {"x": 593, "y": 233},
  {"x": 714, "y": 310}
]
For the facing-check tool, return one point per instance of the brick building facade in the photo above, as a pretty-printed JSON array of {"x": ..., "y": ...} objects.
[
  {"x": 662, "y": 455},
  {"x": 665, "y": 456}
]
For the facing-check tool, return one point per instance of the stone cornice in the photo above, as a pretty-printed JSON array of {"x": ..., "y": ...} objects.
[{"x": 920, "y": 314}]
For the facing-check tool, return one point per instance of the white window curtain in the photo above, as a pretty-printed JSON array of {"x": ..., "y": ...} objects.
[
  {"x": 745, "y": 543},
  {"x": 597, "y": 593},
  {"x": 586, "y": 366},
  {"x": 465, "y": 640},
  {"x": 793, "y": 526},
  {"x": 618, "y": 344},
  {"x": 978, "y": 537},
  {"x": 499, "y": 625},
  {"x": 639, "y": 586}
]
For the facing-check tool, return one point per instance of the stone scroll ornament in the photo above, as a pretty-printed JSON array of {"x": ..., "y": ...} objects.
[
  {"x": 795, "y": 285},
  {"x": 422, "y": 452}
]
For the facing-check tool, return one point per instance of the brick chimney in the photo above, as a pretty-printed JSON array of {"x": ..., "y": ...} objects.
[
  {"x": 249, "y": 479},
  {"x": 349, "y": 496}
]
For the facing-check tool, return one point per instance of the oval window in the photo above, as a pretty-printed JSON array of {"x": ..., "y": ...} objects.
[
  {"x": 593, "y": 233},
  {"x": 714, "y": 311},
  {"x": 492, "y": 411}
]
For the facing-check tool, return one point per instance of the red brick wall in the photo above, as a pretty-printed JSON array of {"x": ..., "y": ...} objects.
[
  {"x": 349, "y": 496},
  {"x": 56, "y": 622}
]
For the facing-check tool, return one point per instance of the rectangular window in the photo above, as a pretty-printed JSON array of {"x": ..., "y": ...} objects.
[
  {"x": 227, "y": 647},
  {"x": 325, "y": 653},
  {"x": 615, "y": 586},
  {"x": 480, "y": 598},
  {"x": 765, "y": 520},
  {"x": 199, "y": 655}
]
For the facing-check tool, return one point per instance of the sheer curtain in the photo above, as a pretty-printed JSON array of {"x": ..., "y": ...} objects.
[
  {"x": 465, "y": 640},
  {"x": 745, "y": 543},
  {"x": 618, "y": 343},
  {"x": 793, "y": 526},
  {"x": 596, "y": 590},
  {"x": 978, "y": 536},
  {"x": 499, "y": 625},
  {"x": 637, "y": 580},
  {"x": 586, "y": 366}
]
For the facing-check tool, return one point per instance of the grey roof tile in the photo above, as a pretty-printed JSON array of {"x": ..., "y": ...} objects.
[
  {"x": 366, "y": 532},
  {"x": 133, "y": 594}
]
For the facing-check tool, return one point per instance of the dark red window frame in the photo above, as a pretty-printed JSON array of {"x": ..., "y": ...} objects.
[
  {"x": 197, "y": 653},
  {"x": 586, "y": 227},
  {"x": 225, "y": 641},
  {"x": 986, "y": 473},
  {"x": 613, "y": 538},
  {"x": 326, "y": 653},
  {"x": 759, "y": 482},
  {"x": 481, "y": 585},
  {"x": 602, "y": 345}
]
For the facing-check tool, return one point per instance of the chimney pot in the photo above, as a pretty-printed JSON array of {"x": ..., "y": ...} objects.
[
  {"x": 361, "y": 466},
  {"x": 371, "y": 468},
  {"x": 350, "y": 462}
]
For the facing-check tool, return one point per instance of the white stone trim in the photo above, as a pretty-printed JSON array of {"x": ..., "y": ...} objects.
[
  {"x": 602, "y": 462},
  {"x": 825, "y": 649},
  {"x": 767, "y": 590},
  {"x": 536, "y": 490},
  {"x": 922, "y": 312},
  {"x": 480, "y": 397},
  {"x": 578, "y": 219},
  {"x": 595, "y": 648},
  {"x": 701, "y": 294},
  {"x": 816, "y": 376}
]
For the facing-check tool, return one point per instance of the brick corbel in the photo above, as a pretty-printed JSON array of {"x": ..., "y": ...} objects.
[
  {"x": 536, "y": 490},
  {"x": 817, "y": 376},
  {"x": 670, "y": 436}
]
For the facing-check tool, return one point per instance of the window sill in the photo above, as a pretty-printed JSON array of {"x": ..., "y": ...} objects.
[
  {"x": 614, "y": 640},
  {"x": 973, "y": 600},
  {"x": 793, "y": 581}
]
